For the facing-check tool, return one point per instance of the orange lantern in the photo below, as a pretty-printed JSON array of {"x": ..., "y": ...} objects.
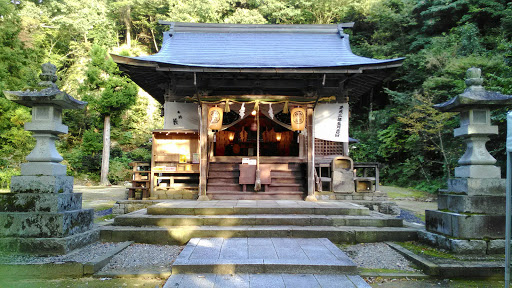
[
  {"x": 298, "y": 119},
  {"x": 215, "y": 118}
]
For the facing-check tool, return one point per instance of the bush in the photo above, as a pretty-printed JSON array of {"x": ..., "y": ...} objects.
[
  {"x": 5, "y": 176},
  {"x": 118, "y": 172},
  {"x": 140, "y": 154}
]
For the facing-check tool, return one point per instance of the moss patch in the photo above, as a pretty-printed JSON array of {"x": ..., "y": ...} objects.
[
  {"x": 421, "y": 249},
  {"x": 407, "y": 193},
  {"x": 85, "y": 282},
  {"x": 106, "y": 217},
  {"x": 375, "y": 270}
]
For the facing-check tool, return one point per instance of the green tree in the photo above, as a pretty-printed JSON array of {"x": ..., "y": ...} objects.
[
  {"x": 18, "y": 67},
  {"x": 109, "y": 93}
]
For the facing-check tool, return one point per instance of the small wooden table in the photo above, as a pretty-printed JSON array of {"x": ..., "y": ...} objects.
[
  {"x": 368, "y": 165},
  {"x": 248, "y": 175}
]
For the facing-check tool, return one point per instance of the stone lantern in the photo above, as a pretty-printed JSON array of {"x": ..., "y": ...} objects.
[
  {"x": 471, "y": 212},
  {"x": 41, "y": 214}
]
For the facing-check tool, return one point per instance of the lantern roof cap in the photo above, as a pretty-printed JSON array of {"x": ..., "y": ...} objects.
[
  {"x": 46, "y": 93},
  {"x": 474, "y": 96}
]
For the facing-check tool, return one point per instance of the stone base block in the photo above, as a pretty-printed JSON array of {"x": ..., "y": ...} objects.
[
  {"x": 458, "y": 246},
  {"x": 370, "y": 196},
  {"x": 386, "y": 207},
  {"x": 476, "y": 186},
  {"x": 43, "y": 168},
  {"x": 325, "y": 195},
  {"x": 465, "y": 226},
  {"x": 45, "y": 225},
  {"x": 41, "y": 184},
  {"x": 496, "y": 246},
  {"x": 49, "y": 246},
  {"x": 491, "y": 205},
  {"x": 478, "y": 171},
  {"x": 175, "y": 194},
  {"x": 40, "y": 202},
  {"x": 343, "y": 181}
]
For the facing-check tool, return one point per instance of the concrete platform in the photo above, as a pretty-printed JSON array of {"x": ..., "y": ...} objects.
[
  {"x": 234, "y": 207},
  {"x": 265, "y": 281},
  {"x": 262, "y": 255},
  {"x": 182, "y": 234},
  {"x": 178, "y": 221},
  {"x": 141, "y": 218}
]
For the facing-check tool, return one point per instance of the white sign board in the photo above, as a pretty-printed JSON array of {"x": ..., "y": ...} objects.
[
  {"x": 181, "y": 116},
  {"x": 248, "y": 161},
  {"x": 331, "y": 122}
]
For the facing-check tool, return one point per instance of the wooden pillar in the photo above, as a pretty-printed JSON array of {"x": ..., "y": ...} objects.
[
  {"x": 203, "y": 151},
  {"x": 311, "y": 155},
  {"x": 345, "y": 148}
]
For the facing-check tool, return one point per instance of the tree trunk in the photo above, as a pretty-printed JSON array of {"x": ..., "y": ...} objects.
[{"x": 105, "y": 158}]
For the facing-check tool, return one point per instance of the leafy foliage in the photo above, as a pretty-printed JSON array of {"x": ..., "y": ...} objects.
[{"x": 439, "y": 38}]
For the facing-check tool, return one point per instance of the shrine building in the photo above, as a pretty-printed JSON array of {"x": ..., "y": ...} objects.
[{"x": 255, "y": 112}]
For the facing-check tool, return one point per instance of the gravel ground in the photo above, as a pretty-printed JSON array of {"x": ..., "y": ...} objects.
[
  {"x": 102, "y": 213},
  {"x": 143, "y": 257},
  {"x": 377, "y": 256},
  {"x": 409, "y": 216},
  {"x": 84, "y": 255}
]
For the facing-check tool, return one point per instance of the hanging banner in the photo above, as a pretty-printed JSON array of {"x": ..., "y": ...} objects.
[
  {"x": 181, "y": 116},
  {"x": 331, "y": 122}
]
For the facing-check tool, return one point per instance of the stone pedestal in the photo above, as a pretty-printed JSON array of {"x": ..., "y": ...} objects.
[
  {"x": 471, "y": 211},
  {"x": 41, "y": 215}
]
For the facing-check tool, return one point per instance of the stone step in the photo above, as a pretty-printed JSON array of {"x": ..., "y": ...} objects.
[
  {"x": 262, "y": 255},
  {"x": 182, "y": 234},
  {"x": 274, "y": 280},
  {"x": 245, "y": 207},
  {"x": 140, "y": 218}
]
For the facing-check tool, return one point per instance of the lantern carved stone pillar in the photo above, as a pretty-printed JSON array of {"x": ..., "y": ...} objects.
[
  {"x": 41, "y": 214},
  {"x": 471, "y": 212}
]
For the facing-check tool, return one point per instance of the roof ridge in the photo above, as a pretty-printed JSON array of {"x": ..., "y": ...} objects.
[{"x": 255, "y": 28}]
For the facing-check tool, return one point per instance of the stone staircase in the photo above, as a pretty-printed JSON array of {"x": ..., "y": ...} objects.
[
  {"x": 176, "y": 222},
  {"x": 287, "y": 183}
]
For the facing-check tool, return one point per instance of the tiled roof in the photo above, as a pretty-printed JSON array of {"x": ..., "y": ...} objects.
[{"x": 259, "y": 50}]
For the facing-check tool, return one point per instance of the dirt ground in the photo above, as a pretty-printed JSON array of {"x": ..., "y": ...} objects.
[{"x": 100, "y": 197}]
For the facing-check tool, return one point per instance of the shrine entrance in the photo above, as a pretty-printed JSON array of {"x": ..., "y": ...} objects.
[{"x": 240, "y": 139}]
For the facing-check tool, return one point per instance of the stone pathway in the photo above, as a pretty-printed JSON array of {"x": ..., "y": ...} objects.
[
  {"x": 243, "y": 262},
  {"x": 265, "y": 281}
]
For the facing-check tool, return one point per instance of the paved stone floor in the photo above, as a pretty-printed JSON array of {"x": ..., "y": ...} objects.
[{"x": 263, "y": 262}]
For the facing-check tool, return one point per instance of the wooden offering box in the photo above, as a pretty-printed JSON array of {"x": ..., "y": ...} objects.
[{"x": 174, "y": 161}]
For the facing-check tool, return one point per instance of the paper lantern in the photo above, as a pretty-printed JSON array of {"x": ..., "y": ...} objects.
[
  {"x": 215, "y": 118},
  {"x": 298, "y": 119}
]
